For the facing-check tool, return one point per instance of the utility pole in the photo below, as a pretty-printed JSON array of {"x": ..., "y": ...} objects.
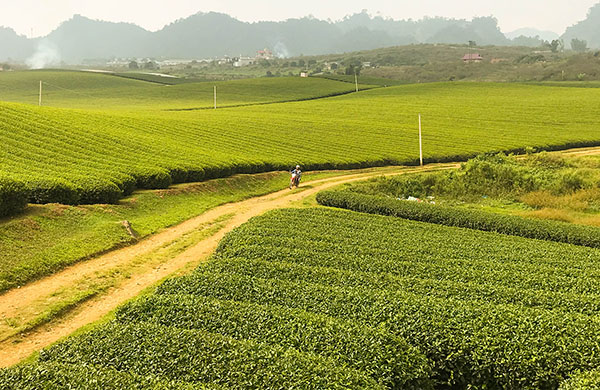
[
  {"x": 40, "y": 99},
  {"x": 420, "y": 142},
  {"x": 356, "y": 80},
  {"x": 215, "y": 97}
]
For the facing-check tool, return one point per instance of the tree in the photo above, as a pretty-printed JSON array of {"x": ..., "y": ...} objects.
[
  {"x": 472, "y": 43},
  {"x": 353, "y": 69},
  {"x": 557, "y": 45},
  {"x": 133, "y": 65},
  {"x": 579, "y": 45},
  {"x": 151, "y": 65},
  {"x": 302, "y": 63},
  {"x": 522, "y": 40},
  {"x": 269, "y": 73},
  {"x": 312, "y": 62},
  {"x": 334, "y": 66}
]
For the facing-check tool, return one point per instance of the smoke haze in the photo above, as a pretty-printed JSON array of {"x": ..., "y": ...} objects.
[{"x": 46, "y": 55}]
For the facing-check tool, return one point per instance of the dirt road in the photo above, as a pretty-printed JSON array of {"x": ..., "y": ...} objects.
[
  {"x": 19, "y": 301},
  {"x": 580, "y": 152}
]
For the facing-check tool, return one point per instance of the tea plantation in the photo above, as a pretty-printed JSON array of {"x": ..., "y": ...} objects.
[
  {"x": 93, "y": 156},
  {"x": 134, "y": 92},
  {"x": 316, "y": 298}
]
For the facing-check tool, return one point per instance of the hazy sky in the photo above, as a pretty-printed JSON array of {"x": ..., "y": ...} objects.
[{"x": 45, "y": 15}]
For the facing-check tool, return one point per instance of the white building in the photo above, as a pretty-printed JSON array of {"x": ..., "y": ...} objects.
[{"x": 243, "y": 61}]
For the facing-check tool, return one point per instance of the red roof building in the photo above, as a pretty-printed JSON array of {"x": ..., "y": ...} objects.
[
  {"x": 264, "y": 54},
  {"x": 472, "y": 58}
]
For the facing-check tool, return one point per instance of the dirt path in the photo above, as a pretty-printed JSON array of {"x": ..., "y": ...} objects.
[
  {"x": 17, "y": 301},
  {"x": 20, "y": 302},
  {"x": 580, "y": 152}
]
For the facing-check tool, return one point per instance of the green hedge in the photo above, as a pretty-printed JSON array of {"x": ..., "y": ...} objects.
[
  {"x": 126, "y": 183},
  {"x": 99, "y": 191},
  {"x": 583, "y": 381},
  {"x": 450, "y": 282},
  {"x": 151, "y": 178},
  {"x": 197, "y": 356},
  {"x": 52, "y": 376},
  {"x": 13, "y": 197},
  {"x": 53, "y": 191},
  {"x": 469, "y": 343},
  {"x": 472, "y": 219},
  {"x": 387, "y": 358}
]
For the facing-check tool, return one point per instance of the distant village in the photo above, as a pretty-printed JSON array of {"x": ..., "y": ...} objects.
[
  {"x": 235, "y": 62},
  {"x": 243, "y": 61}
]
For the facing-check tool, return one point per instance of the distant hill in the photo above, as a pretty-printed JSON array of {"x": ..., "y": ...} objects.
[
  {"x": 209, "y": 35},
  {"x": 588, "y": 29},
  {"x": 14, "y": 46},
  {"x": 532, "y": 33},
  {"x": 80, "y": 38}
]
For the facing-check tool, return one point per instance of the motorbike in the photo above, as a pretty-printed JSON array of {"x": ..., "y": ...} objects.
[{"x": 294, "y": 180}]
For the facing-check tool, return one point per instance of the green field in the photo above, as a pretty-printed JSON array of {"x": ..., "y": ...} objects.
[
  {"x": 308, "y": 298},
  {"x": 368, "y": 301},
  {"x": 47, "y": 238},
  {"x": 131, "y": 91},
  {"x": 364, "y": 80},
  {"x": 90, "y": 156}
]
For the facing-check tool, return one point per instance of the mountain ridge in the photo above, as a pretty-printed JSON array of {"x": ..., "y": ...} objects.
[{"x": 211, "y": 34}]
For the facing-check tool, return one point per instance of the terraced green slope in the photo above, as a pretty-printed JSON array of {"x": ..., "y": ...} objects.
[
  {"x": 372, "y": 301},
  {"x": 88, "y": 90},
  {"x": 83, "y": 156}
]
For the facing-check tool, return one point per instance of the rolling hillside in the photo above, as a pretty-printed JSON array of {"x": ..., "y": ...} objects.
[
  {"x": 75, "y": 156},
  {"x": 91, "y": 90}
]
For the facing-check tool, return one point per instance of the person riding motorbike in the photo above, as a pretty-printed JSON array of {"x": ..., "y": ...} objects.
[{"x": 296, "y": 176}]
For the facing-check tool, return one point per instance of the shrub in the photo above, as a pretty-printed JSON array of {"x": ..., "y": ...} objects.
[
  {"x": 589, "y": 380},
  {"x": 195, "y": 174},
  {"x": 53, "y": 191},
  {"x": 13, "y": 197},
  {"x": 147, "y": 178},
  {"x": 51, "y": 376},
  {"x": 179, "y": 174},
  {"x": 389, "y": 359},
  {"x": 98, "y": 191},
  {"x": 469, "y": 342},
  {"x": 198, "y": 356},
  {"x": 126, "y": 183},
  {"x": 472, "y": 219}
]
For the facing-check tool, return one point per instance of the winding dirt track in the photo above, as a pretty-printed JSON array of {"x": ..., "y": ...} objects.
[{"x": 14, "y": 301}]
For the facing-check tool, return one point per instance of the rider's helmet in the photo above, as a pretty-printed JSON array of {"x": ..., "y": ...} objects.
[{"x": 297, "y": 166}]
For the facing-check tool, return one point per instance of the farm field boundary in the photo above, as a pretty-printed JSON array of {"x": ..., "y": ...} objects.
[
  {"x": 138, "y": 277},
  {"x": 306, "y": 99}
]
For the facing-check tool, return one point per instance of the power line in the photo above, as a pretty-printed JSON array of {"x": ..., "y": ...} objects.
[{"x": 69, "y": 90}]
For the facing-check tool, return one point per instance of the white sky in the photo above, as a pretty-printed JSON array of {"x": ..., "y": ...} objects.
[{"x": 45, "y": 15}]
